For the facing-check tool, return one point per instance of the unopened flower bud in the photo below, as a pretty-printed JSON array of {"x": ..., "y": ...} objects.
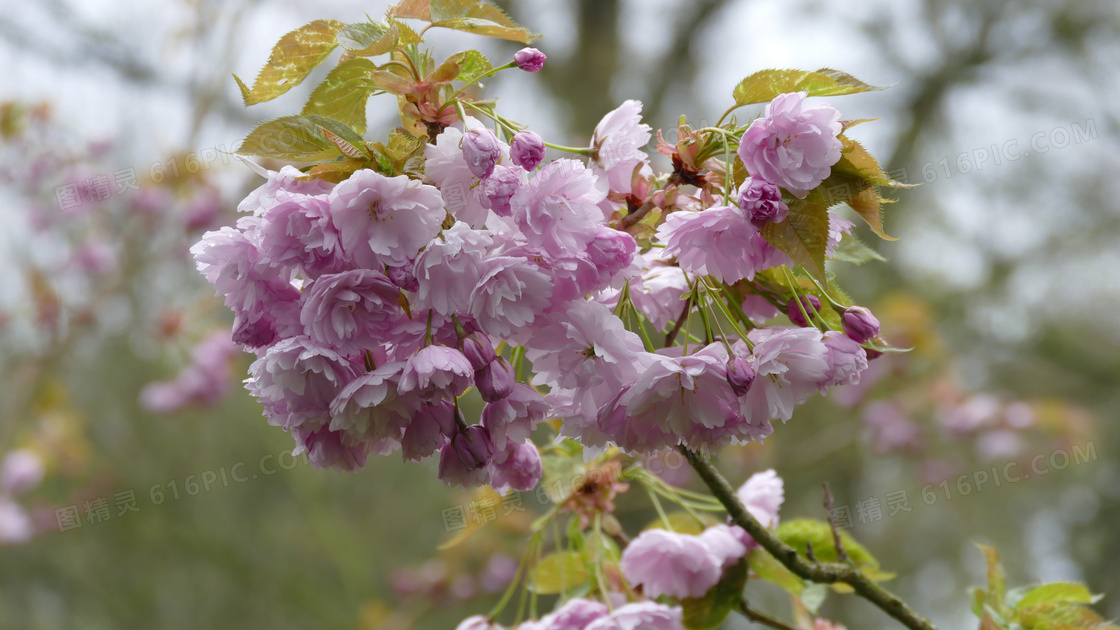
[
  {"x": 810, "y": 303},
  {"x": 495, "y": 380},
  {"x": 530, "y": 59},
  {"x": 860, "y": 324},
  {"x": 473, "y": 447},
  {"x": 478, "y": 350},
  {"x": 761, "y": 202},
  {"x": 527, "y": 150},
  {"x": 740, "y": 375},
  {"x": 481, "y": 150}
]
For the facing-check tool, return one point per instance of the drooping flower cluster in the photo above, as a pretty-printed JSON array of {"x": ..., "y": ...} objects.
[
  {"x": 374, "y": 303},
  {"x": 682, "y": 565}
]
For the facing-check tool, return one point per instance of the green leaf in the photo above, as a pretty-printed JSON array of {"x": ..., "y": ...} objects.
[
  {"x": 292, "y": 59},
  {"x": 1066, "y": 592},
  {"x": 802, "y": 532},
  {"x": 445, "y": 73},
  {"x": 370, "y": 39},
  {"x": 813, "y": 596},
  {"x": 391, "y": 83},
  {"x": 709, "y": 611},
  {"x": 803, "y": 236},
  {"x": 559, "y": 573},
  {"x": 766, "y": 567},
  {"x": 343, "y": 94},
  {"x": 472, "y": 65},
  {"x": 336, "y": 172},
  {"x": 401, "y": 148},
  {"x": 298, "y": 138},
  {"x": 345, "y": 147},
  {"x": 854, "y": 180},
  {"x": 1061, "y": 616},
  {"x": 852, "y": 250},
  {"x": 997, "y": 581},
  {"x": 473, "y": 16},
  {"x": 362, "y": 39},
  {"x": 414, "y": 9},
  {"x": 764, "y": 85}
]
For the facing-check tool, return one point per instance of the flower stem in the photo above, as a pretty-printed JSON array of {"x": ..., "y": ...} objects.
[{"x": 820, "y": 572}]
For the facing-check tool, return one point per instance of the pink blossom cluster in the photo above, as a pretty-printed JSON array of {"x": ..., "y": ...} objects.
[
  {"x": 374, "y": 303},
  {"x": 683, "y": 565}
]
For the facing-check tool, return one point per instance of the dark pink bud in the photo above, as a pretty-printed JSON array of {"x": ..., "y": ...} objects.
[
  {"x": 478, "y": 350},
  {"x": 811, "y": 304},
  {"x": 530, "y": 59},
  {"x": 611, "y": 250},
  {"x": 495, "y": 380},
  {"x": 499, "y": 187},
  {"x": 860, "y": 324},
  {"x": 761, "y": 202},
  {"x": 473, "y": 447},
  {"x": 527, "y": 150},
  {"x": 482, "y": 151},
  {"x": 740, "y": 375}
]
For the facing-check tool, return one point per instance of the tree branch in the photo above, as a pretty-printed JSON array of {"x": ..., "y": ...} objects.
[{"x": 820, "y": 572}]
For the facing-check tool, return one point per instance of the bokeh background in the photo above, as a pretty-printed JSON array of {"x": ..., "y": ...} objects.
[{"x": 117, "y": 119}]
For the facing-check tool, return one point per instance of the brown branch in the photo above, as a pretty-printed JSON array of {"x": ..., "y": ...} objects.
[
  {"x": 637, "y": 215},
  {"x": 820, "y": 572},
  {"x": 669, "y": 338},
  {"x": 841, "y": 555}
]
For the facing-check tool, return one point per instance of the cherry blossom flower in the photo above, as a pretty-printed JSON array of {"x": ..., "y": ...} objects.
[
  {"x": 641, "y": 616},
  {"x": 449, "y": 268},
  {"x": 509, "y": 295},
  {"x": 348, "y": 311},
  {"x": 435, "y": 372},
  {"x": 517, "y": 467},
  {"x": 575, "y": 614},
  {"x": 719, "y": 242},
  {"x": 668, "y": 563},
  {"x": 384, "y": 219},
  {"x": 296, "y": 380},
  {"x": 789, "y": 363},
  {"x": 792, "y": 145},
  {"x": 618, "y": 141}
]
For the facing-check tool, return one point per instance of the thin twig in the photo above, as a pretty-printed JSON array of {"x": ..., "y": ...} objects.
[
  {"x": 637, "y": 215},
  {"x": 820, "y": 572},
  {"x": 841, "y": 555},
  {"x": 765, "y": 620},
  {"x": 680, "y": 321}
]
